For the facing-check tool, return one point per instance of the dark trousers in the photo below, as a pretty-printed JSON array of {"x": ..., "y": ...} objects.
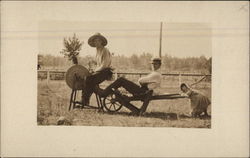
[
  {"x": 130, "y": 86},
  {"x": 94, "y": 80}
]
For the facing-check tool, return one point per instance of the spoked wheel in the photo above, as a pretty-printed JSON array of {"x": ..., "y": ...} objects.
[{"x": 111, "y": 104}]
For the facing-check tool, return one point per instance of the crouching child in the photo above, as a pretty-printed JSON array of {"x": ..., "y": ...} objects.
[{"x": 199, "y": 102}]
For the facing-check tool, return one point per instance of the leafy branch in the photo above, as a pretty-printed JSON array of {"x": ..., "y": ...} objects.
[{"x": 72, "y": 48}]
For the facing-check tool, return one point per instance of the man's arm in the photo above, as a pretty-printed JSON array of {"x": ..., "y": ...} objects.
[{"x": 150, "y": 78}]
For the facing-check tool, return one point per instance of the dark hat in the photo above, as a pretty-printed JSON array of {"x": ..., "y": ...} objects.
[
  {"x": 156, "y": 60},
  {"x": 185, "y": 85},
  {"x": 97, "y": 35}
]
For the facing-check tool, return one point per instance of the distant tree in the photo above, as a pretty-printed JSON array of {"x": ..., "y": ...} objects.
[
  {"x": 48, "y": 60},
  {"x": 145, "y": 60},
  {"x": 209, "y": 65},
  {"x": 72, "y": 48},
  {"x": 167, "y": 59},
  {"x": 135, "y": 61},
  {"x": 39, "y": 61}
]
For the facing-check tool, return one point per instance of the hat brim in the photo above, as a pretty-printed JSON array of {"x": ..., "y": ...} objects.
[
  {"x": 155, "y": 62},
  {"x": 92, "y": 38}
]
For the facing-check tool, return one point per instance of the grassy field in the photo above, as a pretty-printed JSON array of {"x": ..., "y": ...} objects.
[{"x": 53, "y": 102}]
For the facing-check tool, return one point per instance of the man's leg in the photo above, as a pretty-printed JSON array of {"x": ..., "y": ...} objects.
[
  {"x": 130, "y": 86},
  {"x": 91, "y": 83}
]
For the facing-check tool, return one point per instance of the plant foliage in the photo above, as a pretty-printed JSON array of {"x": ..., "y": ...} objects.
[{"x": 72, "y": 47}]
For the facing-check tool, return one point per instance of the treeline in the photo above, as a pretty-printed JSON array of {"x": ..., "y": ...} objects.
[{"x": 135, "y": 63}]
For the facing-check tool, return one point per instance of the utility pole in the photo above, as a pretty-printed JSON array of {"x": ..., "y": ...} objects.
[{"x": 160, "y": 40}]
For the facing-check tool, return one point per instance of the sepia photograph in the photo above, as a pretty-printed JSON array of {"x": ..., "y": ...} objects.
[
  {"x": 124, "y": 78},
  {"x": 129, "y": 74}
]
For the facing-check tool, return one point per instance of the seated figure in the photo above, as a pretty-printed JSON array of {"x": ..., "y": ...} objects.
[
  {"x": 150, "y": 82},
  {"x": 102, "y": 72}
]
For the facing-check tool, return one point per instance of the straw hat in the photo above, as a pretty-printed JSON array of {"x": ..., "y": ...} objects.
[{"x": 97, "y": 35}]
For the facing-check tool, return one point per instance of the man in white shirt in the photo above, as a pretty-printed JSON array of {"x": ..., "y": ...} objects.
[
  {"x": 103, "y": 70},
  {"x": 150, "y": 82}
]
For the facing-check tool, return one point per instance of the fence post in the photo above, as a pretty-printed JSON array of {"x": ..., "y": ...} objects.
[
  {"x": 116, "y": 75},
  {"x": 48, "y": 77},
  {"x": 179, "y": 79}
]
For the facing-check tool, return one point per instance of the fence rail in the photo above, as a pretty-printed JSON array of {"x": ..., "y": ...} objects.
[
  {"x": 60, "y": 74},
  {"x": 173, "y": 79},
  {"x": 164, "y": 74}
]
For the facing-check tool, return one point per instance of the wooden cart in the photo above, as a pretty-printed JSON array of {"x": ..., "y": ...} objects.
[{"x": 75, "y": 79}]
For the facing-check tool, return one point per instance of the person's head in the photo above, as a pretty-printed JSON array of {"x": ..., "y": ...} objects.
[
  {"x": 97, "y": 40},
  {"x": 184, "y": 87},
  {"x": 98, "y": 43},
  {"x": 156, "y": 63}
]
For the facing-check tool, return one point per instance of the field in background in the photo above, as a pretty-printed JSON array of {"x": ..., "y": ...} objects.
[{"x": 53, "y": 102}]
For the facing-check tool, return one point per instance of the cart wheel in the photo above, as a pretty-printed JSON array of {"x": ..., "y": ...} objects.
[{"x": 111, "y": 104}]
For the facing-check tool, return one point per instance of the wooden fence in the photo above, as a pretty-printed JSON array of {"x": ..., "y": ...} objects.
[{"x": 170, "y": 77}]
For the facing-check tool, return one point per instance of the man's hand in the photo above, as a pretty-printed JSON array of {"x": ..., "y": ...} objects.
[
  {"x": 112, "y": 68},
  {"x": 94, "y": 72},
  {"x": 91, "y": 71},
  {"x": 183, "y": 94},
  {"x": 143, "y": 84}
]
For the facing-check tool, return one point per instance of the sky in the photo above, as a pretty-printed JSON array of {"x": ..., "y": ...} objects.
[{"x": 127, "y": 38}]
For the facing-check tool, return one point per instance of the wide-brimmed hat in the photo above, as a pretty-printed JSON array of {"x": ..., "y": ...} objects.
[
  {"x": 97, "y": 35},
  {"x": 156, "y": 60}
]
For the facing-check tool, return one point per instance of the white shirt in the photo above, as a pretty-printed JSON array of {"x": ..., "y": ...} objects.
[
  {"x": 154, "y": 81},
  {"x": 103, "y": 59}
]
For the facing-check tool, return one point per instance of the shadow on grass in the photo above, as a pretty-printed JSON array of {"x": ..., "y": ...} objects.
[
  {"x": 202, "y": 117},
  {"x": 159, "y": 115}
]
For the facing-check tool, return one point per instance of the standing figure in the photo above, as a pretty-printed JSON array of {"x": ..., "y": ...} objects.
[
  {"x": 38, "y": 66},
  {"x": 199, "y": 102},
  {"x": 103, "y": 69}
]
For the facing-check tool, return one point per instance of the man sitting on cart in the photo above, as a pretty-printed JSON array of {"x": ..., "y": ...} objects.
[{"x": 150, "y": 82}]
